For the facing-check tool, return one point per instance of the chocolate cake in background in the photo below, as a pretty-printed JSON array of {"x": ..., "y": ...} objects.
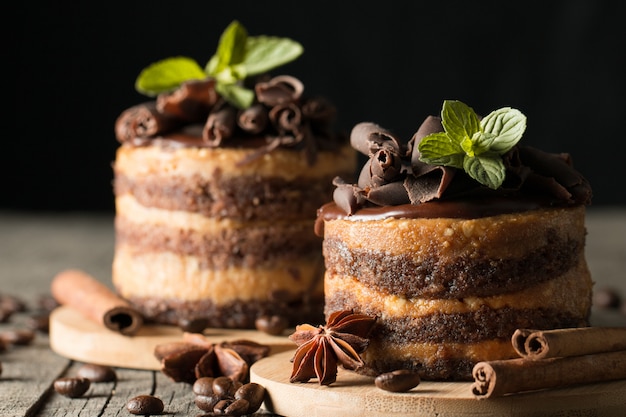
[
  {"x": 217, "y": 184},
  {"x": 453, "y": 258}
]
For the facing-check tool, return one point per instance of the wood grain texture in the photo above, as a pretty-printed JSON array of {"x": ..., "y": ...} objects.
[{"x": 356, "y": 395}]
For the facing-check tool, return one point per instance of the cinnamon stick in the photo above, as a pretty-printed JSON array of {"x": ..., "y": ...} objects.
[
  {"x": 543, "y": 344},
  {"x": 95, "y": 301},
  {"x": 497, "y": 378}
]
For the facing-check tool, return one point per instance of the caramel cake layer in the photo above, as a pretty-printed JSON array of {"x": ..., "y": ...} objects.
[
  {"x": 434, "y": 361},
  {"x": 168, "y": 275},
  {"x": 452, "y": 258}
]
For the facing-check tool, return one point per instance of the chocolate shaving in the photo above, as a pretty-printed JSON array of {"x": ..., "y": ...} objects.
[
  {"x": 279, "y": 90},
  {"x": 254, "y": 119},
  {"x": 287, "y": 119},
  {"x": 190, "y": 102},
  {"x": 219, "y": 126},
  {"x": 143, "y": 120},
  {"x": 369, "y": 138}
]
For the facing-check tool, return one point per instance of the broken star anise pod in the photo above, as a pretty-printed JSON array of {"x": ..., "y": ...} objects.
[
  {"x": 196, "y": 357},
  {"x": 321, "y": 349}
]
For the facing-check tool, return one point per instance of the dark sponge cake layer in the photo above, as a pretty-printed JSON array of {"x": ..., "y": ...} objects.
[
  {"x": 240, "y": 197},
  {"x": 463, "y": 276},
  {"x": 235, "y": 314},
  {"x": 252, "y": 246}
]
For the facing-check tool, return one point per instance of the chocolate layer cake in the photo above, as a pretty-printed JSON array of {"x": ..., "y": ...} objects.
[
  {"x": 451, "y": 267},
  {"x": 215, "y": 204}
]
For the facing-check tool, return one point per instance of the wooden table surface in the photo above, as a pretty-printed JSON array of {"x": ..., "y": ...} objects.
[{"x": 34, "y": 247}]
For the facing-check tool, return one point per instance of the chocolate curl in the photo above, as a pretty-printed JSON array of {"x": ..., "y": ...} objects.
[
  {"x": 430, "y": 185},
  {"x": 554, "y": 173},
  {"x": 498, "y": 378},
  {"x": 279, "y": 90},
  {"x": 95, "y": 301},
  {"x": 287, "y": 120},
  {"x": 219, "y": 126},
  {"x": 543, "y": 344},
  {"x": 254, "y": 119},
  {"x": 143, "y": 120},
  {"x": 191, "y": 102},
  {"x": 347, "y": 196},
  {"x": 368, "y": 138},
  {"x": 319, "y": 111},
  {"x": 432, "y": 124}
]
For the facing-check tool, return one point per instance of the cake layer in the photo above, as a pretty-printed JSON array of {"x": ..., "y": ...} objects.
[
  {"x": 210, "y": 181},
  {"x": 434, "y": 361},
  {"x": 348, "y": 292},
  {"x": 455, "y": 258},
  {"x": 220, "y": 243},
  {"x": 169, "y": 275}
]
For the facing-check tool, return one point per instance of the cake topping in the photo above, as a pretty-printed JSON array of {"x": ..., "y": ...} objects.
[
  {"x": 322, "y": 348},
  {"x": 233, "y": 100},
  {"x": 458, "y": 155}
]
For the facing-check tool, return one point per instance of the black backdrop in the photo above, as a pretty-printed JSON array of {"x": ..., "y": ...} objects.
[{"x": 393, "y": 63}]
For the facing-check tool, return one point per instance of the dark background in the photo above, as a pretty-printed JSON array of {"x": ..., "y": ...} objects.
[{"x": 393, "y": 63}]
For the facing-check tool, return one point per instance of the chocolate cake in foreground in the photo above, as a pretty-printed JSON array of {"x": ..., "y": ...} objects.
[
  {"x": 449, "y": 266},
  {"x": 216, "y": 202}
]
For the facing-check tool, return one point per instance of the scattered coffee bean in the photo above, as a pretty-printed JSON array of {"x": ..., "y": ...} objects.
[
  {"x": 193, "y": 326},
  {"x": 12, "y": 303},
  {"x": 5, "y": 314},
  {"x": 47, "y": 302},
  {"x": 222, "y": 405},
  {"x": 39, "y": 322},
  {"x": 0, "y": 368},
  {"x": 397, "y": 381},
  {"x": 144, "y": 405},
  {"x": 206, "y": 402},
  {"x": 71, "y": 387},
  {"x": 252, "y": 392},
  {"x": 203, "y": 386},
  {"x": 606, "y": 298},
  {"x": 97, "y": 373},
  {"x": 3, "y": 346},
  {"x": 20, "y": 337},
  {"x": 237, "y": 408},
  {"x": 224, "y": 387},
  {"x": 273, "y": 325}
]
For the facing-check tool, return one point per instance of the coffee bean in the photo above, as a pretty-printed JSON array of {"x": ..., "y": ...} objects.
[
  {"x": 203, "y": 386},
  {"x": 193, "y": 325},
  {"x": 71, "y": 387},
  {"x": 144, "y": 405},
  {"x": 39, "y": 322},
  {"x": 221, "y": 406},
  {"x": 0, "y": 368},
  {"x": 252, "y": 392},
  {"x": 97, "y": 373},
  {"x": 206, "y": 402},
  {"x": 606, "y": 298},
  {"x": 397, "y": 381},
  {"x": 237, "y": 408},
  {"x": 224, "y": 387},
  {"x": 273, "y": 325},
  {"x": 20, "y": 337}
]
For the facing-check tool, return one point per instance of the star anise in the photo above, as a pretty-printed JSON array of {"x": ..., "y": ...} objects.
[
  {"x": 195, "y": 357},
  {"x": 322, "y": 348}
]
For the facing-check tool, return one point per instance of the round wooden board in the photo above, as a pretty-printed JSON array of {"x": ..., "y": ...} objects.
[
  {"x": 76, "y": 337},
  {"x": 355, "y": 395}
]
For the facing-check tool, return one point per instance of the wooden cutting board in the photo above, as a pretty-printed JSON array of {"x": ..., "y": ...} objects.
[
  {"x": 76, "y": 337},
  {"x": 355, "y": 395}
]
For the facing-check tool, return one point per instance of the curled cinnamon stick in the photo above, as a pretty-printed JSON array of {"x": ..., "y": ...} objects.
[
  {"x": 543, "y": 344},
  {"x": 95, "y": 301},
  {"x": 497, "y": 378}
]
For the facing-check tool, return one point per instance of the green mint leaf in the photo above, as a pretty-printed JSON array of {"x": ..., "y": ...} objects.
[
  {"x": 508, "y": 125},
  {"x": 480, "y": 142},
  {"x": 264, "y": 53},
  {"x": 438, "y": 149},
  {"x": 458, "y": 120},
  {"x": 235, "y": 94},
  {"x": 231, "y": 49},
  {"x": 487, "y": 168},
  {"x": 167, "y": 74}
]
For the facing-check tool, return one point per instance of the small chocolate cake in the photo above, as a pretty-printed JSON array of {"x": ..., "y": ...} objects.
[{"x": 449, "y": 266}]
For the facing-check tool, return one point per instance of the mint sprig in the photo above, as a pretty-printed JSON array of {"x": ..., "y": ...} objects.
[
  {"x": 238, "y": 56},
  {"x": 472, "y": 144}
]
